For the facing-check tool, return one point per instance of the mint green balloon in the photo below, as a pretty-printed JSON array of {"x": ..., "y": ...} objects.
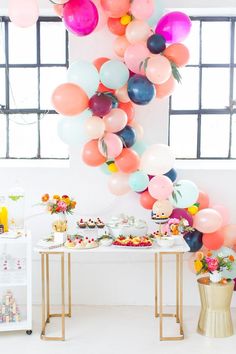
[
  {"x": 138, "y": 181},
  {"x": 186, "y": 194},
  {"x": 139, "y": 147},
  {"x": 104, "y": 169},
  {"x": 114, "y": 74},
  {"x": 230, "y": 274},
  {"x": 157, "y": 13},
  {"x": 85, "y": 75}
]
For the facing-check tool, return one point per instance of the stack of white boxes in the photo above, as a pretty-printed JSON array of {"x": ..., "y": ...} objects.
[{"x": 9, "y": 311}]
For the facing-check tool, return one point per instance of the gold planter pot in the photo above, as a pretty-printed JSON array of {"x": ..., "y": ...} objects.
[{"x": 215, "y": 317}]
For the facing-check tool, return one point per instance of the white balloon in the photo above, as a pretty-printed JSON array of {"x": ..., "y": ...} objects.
[{"x": 157, "y": 159}]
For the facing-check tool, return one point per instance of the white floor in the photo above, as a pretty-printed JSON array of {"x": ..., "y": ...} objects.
[{"x": 116, "y": 330}]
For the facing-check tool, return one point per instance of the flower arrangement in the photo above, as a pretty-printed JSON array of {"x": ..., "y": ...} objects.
[
  {"x": 57, "y": 204},
  {"x": 176, "y": 226}
]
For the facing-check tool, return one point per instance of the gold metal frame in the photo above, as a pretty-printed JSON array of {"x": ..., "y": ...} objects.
[
  {"x": 46, "y": 315},
  {"x": 158, "y": 263}
]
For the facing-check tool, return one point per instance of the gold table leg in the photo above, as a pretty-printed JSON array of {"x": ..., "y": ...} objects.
[{"x": 156, "y": 283}]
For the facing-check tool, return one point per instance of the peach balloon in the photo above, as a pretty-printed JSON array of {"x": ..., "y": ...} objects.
[
  {"x": 137, "y": 31},
  {"x": 91, "y": 155},
  {"x": 214, "y": 240},
  {"x": 129, "y": 109},
  {"x": 146, "y": 200},
  {"x": 138, "y": 130},
  {"x": 166, "y": 89},
  {"x": 110, "y": 145},
  {"x": 58, "y": 9},
  {"x": 224, "y": 212},
  {"x": 122, "y": 94},
  {"x": 116, "y": 8},
  {"x": 23, "y": 13},
  {"x": 203, "y": 200},
  {"x": 115, "y": 26},
  {"x": 207, "y": 220},
  {"x": 178, "y": 53},
  {"x": 229, "y": 233},
  {"x": 142, "y": 9},
  {"x": 121, "y": 43},
  {"x": 115, "y": 120},
  {"x": 102, "y": 16},
  {"x": 69, "y": 99},
  {"x": 118, "y": 183},
  {"x": 158, "y": 69},
  {"x": 98, "y": 63},
  {"x": 94, "y": 127},
  {"x": 128, "y": 161},
  {"x": 135, "y": 56}
]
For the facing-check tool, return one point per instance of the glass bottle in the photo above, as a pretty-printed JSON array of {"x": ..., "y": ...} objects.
[
  {"x": 3, "y": 214},
  {"x": 16, "y": 203}
]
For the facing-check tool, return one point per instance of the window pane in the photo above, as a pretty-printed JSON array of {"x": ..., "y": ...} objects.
[
  {"x": 233, "y": 144},
  {"x": 51, "y": 144},
  {"x": 2, "y": 43},
  {"x": 192, "y": 42},
  {"x": 2, "y": 135},
  {"x": 23, "y": 137},
  {"x": 185, "y": 95},
  {"x": 22, "y": 45},
  {"x": 214, "y": 143},
  {"x": 52, "y": 49},
  {"x": 216, "y": 42},
  {"x": 2, "y": 88},
  {"x": 183, "y": 135},
  {"x": 50, "y": 78},
  {"x": 24, "y": 90},
  {"x": 215, "y": 88}
]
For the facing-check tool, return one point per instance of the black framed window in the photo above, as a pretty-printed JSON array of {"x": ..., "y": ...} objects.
[
  {"x": 33, "y": 61},
  {"x": 202, "y": 119}
]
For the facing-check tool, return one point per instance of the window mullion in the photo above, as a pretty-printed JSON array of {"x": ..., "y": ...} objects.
[{"x": 231, "y": 91}]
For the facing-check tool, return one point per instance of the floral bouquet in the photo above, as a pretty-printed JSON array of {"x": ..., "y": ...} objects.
[
  {"x": 57, "y": 204},
  {"x": 176, "y": 226},
  {"x": 213, "y": 264}
]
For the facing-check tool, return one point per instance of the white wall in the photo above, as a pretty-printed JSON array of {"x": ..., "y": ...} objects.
[{"x": 122, "y": 279}]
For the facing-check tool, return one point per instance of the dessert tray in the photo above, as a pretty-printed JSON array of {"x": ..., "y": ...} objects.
[
  {"x": 80, "y": 243},
  {"x": 133, "y": 242}
]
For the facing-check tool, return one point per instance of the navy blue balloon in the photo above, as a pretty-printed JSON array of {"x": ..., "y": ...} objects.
[
  {"x": 128, "y": 136},
  {"x": 115, "y": 101},
  {"x": 194, "y": 240},
  {"x": 156, "y": 43},
  {"x": 140, "y": 90},
  {"x": 172, "y": 174}
]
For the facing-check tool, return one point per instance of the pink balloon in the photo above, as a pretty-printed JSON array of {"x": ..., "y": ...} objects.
[
  {"x": 102, "y": 16},
  {"x": 118, "y": 183},
  {"x": 134, "y": 57},
  {"x": 23, "y": 13},
  {"x": 120, "y": 45},
  {"x": 160, "y": 187},
  {"x": 158, "y": 69},
  {"x": 229, "y": 233},
  {"x": 115, "y": 120},
  {"x": 122, "y": 94},
  {"x": 174, "y": 26},
  {"x": 223, "y": 211},
  {"x": 138, "y": 130},
  {"x": 207, "y": 220},
  {"x": 110, "y": 145},
  {"x": 80, "y": 16},
  {"x": 94, "y": 127},
  {"x": 137, "y": 31},
  {"x": 142, "y": 9}
]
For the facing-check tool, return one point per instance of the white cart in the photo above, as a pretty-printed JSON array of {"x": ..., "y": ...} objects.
[{"x": 18, "y": 282}]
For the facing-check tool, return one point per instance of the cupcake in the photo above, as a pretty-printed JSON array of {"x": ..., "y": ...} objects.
[
  {"x": 100, "y": 224},
  {"x": 81, "y": 224},
  {"x": 91, "y": 224}
]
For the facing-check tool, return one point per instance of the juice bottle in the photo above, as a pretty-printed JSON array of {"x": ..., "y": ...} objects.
[{"x": 3, "y": 214}]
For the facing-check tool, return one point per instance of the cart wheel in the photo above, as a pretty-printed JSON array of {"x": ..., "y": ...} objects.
[{"x": 29, "y": 332}]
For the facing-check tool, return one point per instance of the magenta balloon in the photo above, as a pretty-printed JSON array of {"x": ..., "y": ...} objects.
[
  {"x": 80, "y": 16},
  {"x": 179, "y": 213},
  {"x": 174, "y": 26}
]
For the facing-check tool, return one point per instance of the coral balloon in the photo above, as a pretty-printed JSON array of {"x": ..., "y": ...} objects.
[
  {"x": 69, "y": 99},
  {"x": 115, "y": 26},
  {"x": 137, "y": 31},
  {"x": 158, "y": 69},
  {"x": 115, "y": 120},
  {"x": 115, "y": 8},
  {"x": 121, "y": 43},
  {"x": 142, "y": 9},
  {"x": 98, "y": 63},
  {"x": 135, "y": 56},
  {"x": 203, "y": 200},
  {"x": 128, "y": 161},
  {"x": 160, "y": 187},
  {"x": 91, "y": 155},
  {"x": 138, "y": 130},
  {"x": 94, "y": 127},
  {"x": 157, "y": 159},
  {"x": 146, "y": 200},
  {"x": 80, "y": 17},
  {"x": 223, "y": 211},
  {"x": 178, "y": 53},
  {"x": 166, "y": 89},
  {"x": 162, "y": 208},
  {"x": 114, "y": 74},
  {"x": 100, "y": 104},
  {"x": 214, "y": 240},
  {"x": 103, "y": 89},
  {"x": 229, "y": 234},
  {"x": 129, "y": 110},
  {"x": 58, "y": 9},
  {"x": 110, "y": 145},
  {"x": 23, "y": 13},
  {"x": 118, "y": 183},
  {"x": 122, "y": 94},
  {"x": 207, "y": 220}
]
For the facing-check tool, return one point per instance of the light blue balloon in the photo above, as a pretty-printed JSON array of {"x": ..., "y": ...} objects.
[
  {"x": 85, "y": 75},
  {"x": 158, "y": 12},
  {"x": 104, "y": 169},
  {"x": 138, "y": 181},
  {"x": 186, "y": 194},
  {"x": 71, "y": 130},
  {"x": 224, "y": 251},
  {"x": 114, "y": 74},
  {"x": 139, "y": 147}
]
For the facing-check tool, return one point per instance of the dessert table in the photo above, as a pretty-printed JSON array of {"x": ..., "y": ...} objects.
[{"x": 156, "y": 253}]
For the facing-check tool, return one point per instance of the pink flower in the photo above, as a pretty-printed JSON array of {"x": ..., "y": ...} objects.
[
  {"x": 212, "y": 264},
  {"x": 62, "y": 205}
]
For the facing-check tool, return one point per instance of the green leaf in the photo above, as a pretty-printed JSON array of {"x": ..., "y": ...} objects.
[
  {"x": 174, "y": 196},
  {"x": 179, "y": 193},
  {"x": 104, "y": 147},
  {"x": 15, "y": 198},
  {"x": 175, "y": 72},
  {"x": 140, "y": 65},
  {"x": 146, "y": 63}
]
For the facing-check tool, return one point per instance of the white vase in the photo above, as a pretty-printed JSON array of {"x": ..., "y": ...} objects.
[
  {"x": 215, "y": 277},
  {"x": 59, "y": 237},
  {"x": 59, "y": 228}
]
